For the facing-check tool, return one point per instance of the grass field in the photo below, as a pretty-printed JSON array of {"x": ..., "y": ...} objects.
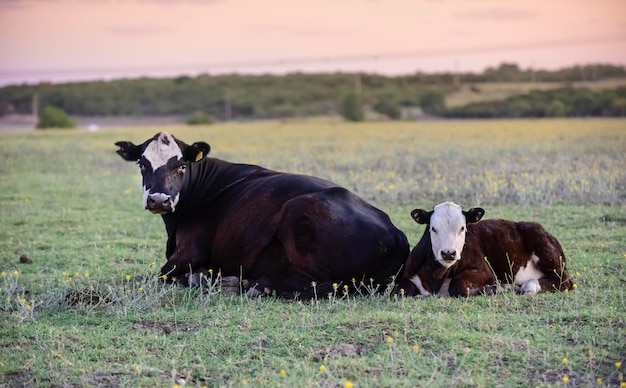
[
  {"x": 81, "y": 307},
  {"x": 492, "y": 91}
]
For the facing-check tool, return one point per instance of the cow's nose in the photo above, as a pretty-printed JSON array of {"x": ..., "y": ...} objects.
[
  {"x": 448, "y": 254},
  {"x": 159, "y": 202}
]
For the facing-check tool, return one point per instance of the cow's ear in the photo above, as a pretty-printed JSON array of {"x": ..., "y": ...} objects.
[
  {"x": 421, "y": 216},
  {"x": 195, "y": 152},
  {"x": 128, "y": 151},
  {"x": 474, "y": 214},
  {"x": 202, "y": 149}
]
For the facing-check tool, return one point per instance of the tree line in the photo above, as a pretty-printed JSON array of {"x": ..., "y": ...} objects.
[{"x": 241, "y": 97}]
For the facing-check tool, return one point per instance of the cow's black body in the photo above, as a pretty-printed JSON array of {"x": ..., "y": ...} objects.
[{"x": 281, "y": 231}]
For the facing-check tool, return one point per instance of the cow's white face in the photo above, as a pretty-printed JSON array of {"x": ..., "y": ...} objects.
[
  {"x": 447, "y": 225},
  {"x": 162, "y": 167},
  {"x": 163, "y": 162}
]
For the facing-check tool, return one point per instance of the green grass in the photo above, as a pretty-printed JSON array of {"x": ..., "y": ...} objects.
[{"x": 88, "y": 310}]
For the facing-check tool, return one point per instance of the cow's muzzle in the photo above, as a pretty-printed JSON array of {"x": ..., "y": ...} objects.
[
  {"x": 448, "y": 254},
  {"x": 159, "y": 203}
]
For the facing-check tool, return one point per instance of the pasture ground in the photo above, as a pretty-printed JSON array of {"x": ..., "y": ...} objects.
[{"x": 78, "y": 260}]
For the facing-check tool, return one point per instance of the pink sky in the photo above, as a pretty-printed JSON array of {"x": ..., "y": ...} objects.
[{"x": 57, "y": 40}]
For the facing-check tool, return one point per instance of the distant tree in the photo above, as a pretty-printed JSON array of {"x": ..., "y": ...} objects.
[
  {"x": 51, "y": 117},
  {"x": 433, "y": 102},
  {"x": 199, "y": 118},
  {"x": 350, "y": 107},
  {"x": 556, "y": 109},
  {"x": 388, "y": 108}
]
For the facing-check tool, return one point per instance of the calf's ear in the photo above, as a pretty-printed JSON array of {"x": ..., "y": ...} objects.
[
  {"x": 128, "y": 151},
  {"x": 474, "y": 214},
  {"x": 421, "y": 216}
]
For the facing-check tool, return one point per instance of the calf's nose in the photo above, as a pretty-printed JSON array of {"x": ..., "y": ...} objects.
[{"x": 448, "y": 254}]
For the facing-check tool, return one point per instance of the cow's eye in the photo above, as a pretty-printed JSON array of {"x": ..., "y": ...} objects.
[
  {"x": 142, "y": 168},
  {"x": 433, "y": 230},
  {"x": 181, "y": 168}
]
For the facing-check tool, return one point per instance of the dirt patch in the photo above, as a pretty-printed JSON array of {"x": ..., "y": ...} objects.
[
  {"x": 103, "y": 379},
  {"x": 20, "y": 378},
  {"x": 86, "y": 296},
  {"x": 343, "y": 350},
  {"x": 166, "y": 327}
]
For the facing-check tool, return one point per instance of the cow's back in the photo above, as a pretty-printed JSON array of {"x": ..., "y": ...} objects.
[{"x": 307, "y": 226}]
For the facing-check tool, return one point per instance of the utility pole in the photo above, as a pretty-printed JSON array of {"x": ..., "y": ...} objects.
[
  {"x": 594, "y": 73},
  {"x": 456, "y": 75},
  {"x": 357, "y": 84},
  {"x": 35, "y": 106},
  {"x": 228, "y": 109}
]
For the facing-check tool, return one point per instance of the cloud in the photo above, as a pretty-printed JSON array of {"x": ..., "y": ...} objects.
[
  {"x": 165, "y": 2},
  {"x": 10, "y": 5},
  {"x": 497, "y": 14},
  {"x": 133, "y": 30},
  {"x": 287, "y": 30}
]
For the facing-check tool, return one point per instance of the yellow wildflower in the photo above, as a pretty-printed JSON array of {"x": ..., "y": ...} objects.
[
  {"x": 347, "y": 384},
  {"x": 565, "y": 379},
  {"x": 282, "y": 372},
  {"x": 322, "y": 368}
]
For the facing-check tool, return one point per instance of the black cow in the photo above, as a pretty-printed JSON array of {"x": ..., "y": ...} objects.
[{"x": 294, "y": 235}]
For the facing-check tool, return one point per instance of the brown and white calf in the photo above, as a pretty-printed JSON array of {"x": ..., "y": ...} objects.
[{"x": 460, "y": 256}]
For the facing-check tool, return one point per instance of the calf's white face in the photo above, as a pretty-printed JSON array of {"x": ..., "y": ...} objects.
[
  {"x": 447, "y": 225},
  {"x": 447, "y": 233}
]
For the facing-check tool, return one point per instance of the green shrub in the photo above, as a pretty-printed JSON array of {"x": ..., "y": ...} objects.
[
  {"x": 389, "y": 108},
  {"x": 350, "y": 107},
  {"x": 199, "y": 118},
  {"x": 556, "y": 109},
  {"x": 433, "y": 102},
  {"x": 51, "y": 117}
]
